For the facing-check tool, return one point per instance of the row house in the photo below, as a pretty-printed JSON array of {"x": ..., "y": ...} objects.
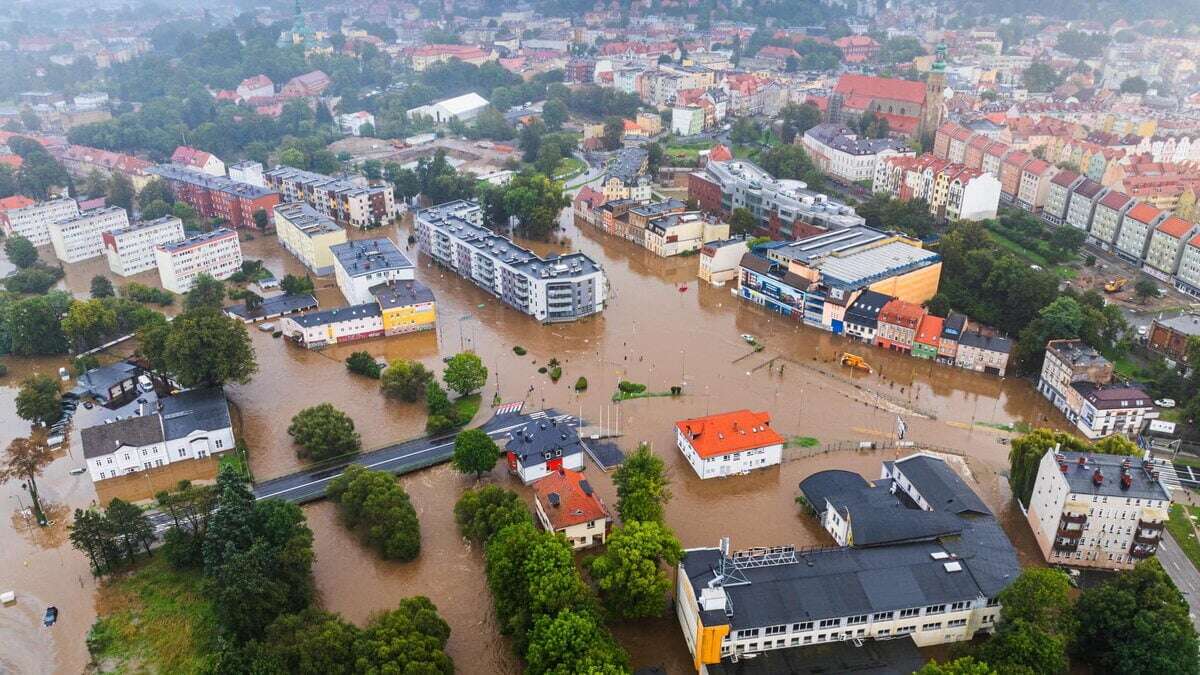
[
  {"x": 1010, "y": 175},
  {"x": 1034, "y": 185},
  {"x": 929, "y": 337},
  {"x": 984, "y": 352},
  {"x": 680, "y": 233},
  {"x": 1139, "y": 222},
  {"x": 1166, "y": 247},
  {"x": 957, "y": 149},
  {"x": 80, "y": 161},
  {"x": 897, "y": 325},
  {"x": 1106, "y": 218},
  {"x": 953, "y": 191},
  {"x": 953, "y": 328},
  {"x": 1079, "y": 382}
]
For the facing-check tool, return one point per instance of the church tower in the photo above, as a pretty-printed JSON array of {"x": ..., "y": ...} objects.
[{"x": 935, "y": 86}]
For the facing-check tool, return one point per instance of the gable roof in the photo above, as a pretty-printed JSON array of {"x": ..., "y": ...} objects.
[
  {"x": 194, "y": 410},
  {"x": 568, "y": 499},
  {"x": 727, "y": 433},
  {"x": 538, "y": 438},
  {"x": 135, "y": 432},
  {"x": 1175, "y": 226},
  {"x": 941, "y": 487},
  {"x": 859, "y": 90}
]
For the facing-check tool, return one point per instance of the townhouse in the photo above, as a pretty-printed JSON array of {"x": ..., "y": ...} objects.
[
  {"x": 897, "y": 325},
  {"x": 1082, "y": 204},
  {"x": 1058, "y": 196},
  {"x": 729, "y": 444},
  {"x": 862, "y": 316},
  {"x": 217, "y": 253},
  {"x": 396, "y": 307},
  {"x": 1077, "y": 379},
  {"x": 130, "y": 249},
  {"x": 23, "y": 217},
  {"x": 1010, "y": 174},
  {"x": 565, "y": 502},
  {"x": 80, "y": 161},
  {"x": 1097, "y": 511},
  {"x": 348, "y": 201},
  {"x": 1034, "y": 185},
  {"x": 82, "y": 237},
  {"x": 198, "y": 160},
  {"x": 927, "y": 341},
  {"x": 983, "y": 351},
  {"x": 953, "y": 191},
  {"x": 308, "y": 235},
  {"x": 229, "y": 200},
  {"x": 551, "y": 289},
  {"x": 680, "y": 233},
  {"x": 719, "y": 260},
  {"x": 952, "y": 331}
]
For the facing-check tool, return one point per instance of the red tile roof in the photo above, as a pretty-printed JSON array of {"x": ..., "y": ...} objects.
[
  {"x": 1174, "y": 226},
  {"x": 577, "y": 502},
  {"x": 859, "y": 90},
  {"x": 930, "y": 332},
  {"x": 719, "y": 153},
  {"x": 1143, "y": 213},
  {"x": 11, "y": 161},
  {"x": 1115, "y": 200},
  {"x": 730, "y": 432},
  {"x": 901, "y": 313},
  {"x": 15, "y": 202},
  {"x": 1064, "y": 178}
]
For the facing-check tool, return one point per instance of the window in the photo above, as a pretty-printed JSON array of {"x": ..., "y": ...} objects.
[
  {"x": 906, "y": 629},
  {"x": 808, "y": 639},
  {"x": 959, "y": 606},
  {"x": 993, "y": 602},
  {"x": 883, "y": 616},
  {"x": 956, "y": 623},
  {"x": 220, "y": 443},
  {"x": 775, "y": 630},
  {"x": 801, "y": 627},
  {"x": 885, "y": 631},
  {"x": 748, "y": 633},
  {"x": 905, "y": 613},
  {"x": 935, "y": 609},
  {"x": 931, "y": 626},
  {"x": 854, "y": 620},
  {"x": 830, "y": 623}
]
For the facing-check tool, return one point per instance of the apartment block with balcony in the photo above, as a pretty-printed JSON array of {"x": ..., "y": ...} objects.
[
  {"x": 1166, "y": 247},
  {"x": 349, "y": 201},
  {"x": 1058, "y": 196},
  {"x": 1137, "y": 225},
  {"x": 217, "y": 253},
  {"x": 21, "y": 216},
  {"x": 308, "y": 235},
  {"x": 130, "y": 250},
  {"x": 82, "y": 237},
  {"x": 1097, "y": 511}
]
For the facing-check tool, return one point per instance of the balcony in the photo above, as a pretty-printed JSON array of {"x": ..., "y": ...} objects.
[
  {"x": 1148, "y": 537},
  {"x": 1142, "y": 550},
  {"x": 1069, "y": 532},
  {"x": 1064, "y": 545},
  {"x": 1149, "y": 525},
  {"x": 1078, "y": 518}
]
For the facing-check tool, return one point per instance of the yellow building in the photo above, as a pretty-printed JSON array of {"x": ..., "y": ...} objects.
[
  {"x": 308, "y": 235},
  {"x": 406, "y": 306},
  {"x": 917, "y": 286}
]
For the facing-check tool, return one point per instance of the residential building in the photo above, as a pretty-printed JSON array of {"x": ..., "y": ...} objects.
[
  {"x": 259, "y": 86},
  {"x": 983, "y": 352},
  {"x": 349, "y": 201},
  {"x": 130, "y": 249},
  {"x": 308, "y": 235},
  {"x": 626, "y": 176},
  {"x": 783, "y": 209},
  {"x": 308, "y": 85},
  {"x": 952, "y": 331},
  {"x": 543, "y": 447},
  {"x": 862, "y": 316},
  {"x": 1034, "y": 185},
  {"x": 687, "y": 120},
  {"x": 1170, "y": 337},
  {"x": 190, "y": 425},
  {"x": 1082, "y": 204},
  {"x": 1077, "y": 379},
  {"x": 719, "y": 260},
  {"x": 1106, "y": 218},
  {"x": 427, "y": 55},
  {"x": 21, "y": 216},
  {"x": 82, "y": 237},
  {"x": 953, "y": 191},
  {"x": 1187, "y": 275},
  {"x": 217, "y": 197},
  {"x": 1166, "y": 247},
  {"x": 111, "y": 386},
  {"x": 729, "y": 444},
  {"x": 1058, "y": 196},
  {"x": 396, "y": 307},
  {"x": 1096, "y": 510},
  {"x": 247, "y": 172},
  {"x": 361, "y": 264},
  {"x": 927, "y": 558},
  {"x": 897, "y": 325},
  {"x": 217, "y": 253},
  {"x": 842, "y": 153},
  {"x": 198, "y": 160},
  {"x": 462, "y": 108},
  {"x": 566, "y": 503},
  {"x": 857, "y": 48},
  {"x": 1134, "y": 236},
  {"x": 928, "y": 337},
  {"x": 562, "y": 288},
  {"x": 80, "y": 161},
  {"x": 353, "y": 123},
  {"x": 586, "y": 204},
  {"x": 679, "y": 233}
]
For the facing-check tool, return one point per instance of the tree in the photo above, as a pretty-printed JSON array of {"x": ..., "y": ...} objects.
[
  {"x": 797, "y": 119},
  {"x": 206, "y": 292},
  {"x": 530, "y": 140},
  {"x": 34, "y": 326},
  {"x": 374, "y": 503},
  {"x": 155, "y": 190},
  {"x": 655, "y": 156},
  {"x": 1067, "y": 240},
  {"x": 1023, "y": 647},
  {"x": 364, "y": 364},
  {"x": 409, "y": 639},
  {"x": 791, "y": 161},
  {"x": 573, "y": 641},
  {"x": 443, "y": 416},
  {"x": 745, "y": 130},
  {"x": 1136, "y": 622},
  {"x": 742, "y": 221},
  {"x": 405, "y": 380},
  {"x": 261, "y": 220},
  {"x": 465, "y": 373},
  {"x": 102, "y": 287},
  {"x": 1144, "y": 289},
  {"x": 90, "y": 533},
  {"x": 536, "y": 201},
  {"x": 24, "y": 461},
  {"x": 1026, "y": 453},
  {"x": 131, "y": 525},
  {"x": 20, "y": 251},
  {"x": 642, "y": 486},
  {"x": 1041, "y": 77},
  {"x": 482, "y": 513},
  {"x": 1060, "y": 320},
  {"x": 475, "y": 452},
  {"x": 32, "y": 281},
  {"x": 121, "y": 192},
  {"x": 614, "y": 131},
  {"x": 323, "y": 432},
  {"x": 38, "y": 400},
  {"x": 964, "y": 665},
  {"x": 294, "y": 285},
  {"x": 88, "y": 323},
  {"x": 1041, "y": 596},
  {"x": 554, "y": 114},
  {"x": 312, "y": 642},
  {"x": 200, "y": 349},
  {"x": 629, "y": 572}
]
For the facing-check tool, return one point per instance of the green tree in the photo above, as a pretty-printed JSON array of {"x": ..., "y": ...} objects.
[
  {"x": 1136, "y": 622},
  {"x": 364, "y": 364},
  {"x": 1025, "y": 648},
  {"x": 200, "y": 349},
  {"x": 405, "y": 380},
  {"x": 554, "y": 114},
  {"x": 294, "y": 285},
  {"x": 964, "y": 665},
  {"x": 121, "y": 192},
  {"x": 1060, "y": 320},
  {"x": 798, "y": 118},
  {"x": 155, "y": 190},
  {"x": 323, "y": 432},
  {"x": 1144, "y": 289},
  {"x": 20, "y": 251},
  {"x": 629, "y": 573},
  {"x": 573, "y": 642},
  {"x": 1041, "y": 596},
  {"x": 32, "y": 281},
  {"x": 655, "y": 156},
  {"x": 262, "y": 220},
  {"x": 1040, "y": 77},
  {"x": 312, "y": 642},
  {"x": 475, "y": 452},
  {"x": 465, "y": 373},
  {"x": 409, "y": 639},
  {"x": 742, "y": 221},
  {"x": 614, "y": 132},
  {"x": 206, "y": 292},
  {"x": 88, "y": 323},
  {"x": 792, "y": 162},
  {"x": 1025, "y": 454},
  {"x": 24, "y": 461},
  {"x": 131, "y": 525},
  {"x": 375, "y": 505},
  {"x": 641, "y": 484},
  {"x": 536, "y": 201},
  {"x": 34, "y": 326},
  {"x": 102, "y": 287},
  {"x": 482, "y": 513},
  {"x": 442, "y": 413},
  {"x": 1134, "y": 85},
  {"x": 38, "y": 400}
]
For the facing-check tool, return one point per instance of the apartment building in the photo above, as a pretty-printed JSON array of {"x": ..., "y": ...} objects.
[
  {"x": 397, "y": 307},
  {"x": 897, "y": 325},
  {"x": 1187, "y": 275},
  {"x": 21, "y": 216},
  {"x": 308, "y": 235},
  {"x": 229, "y": 200},
  {"x": 1097, "y": 511},
  {"x": 840, "y": 152},
  {"x": 1034, "y": 185},
  {"x": 1134, "y": 237},
  {"x": 862, "y": 316},
  {"x": 1078, "y": 381},
  {"x": 1082, "y": 205},
  {"x": 190, "y": 425},
  {"x": 680, "y": 233},
  {"x": 783, "y": 209},
  {"x": 552, "y": 289},
  {"x": 953, "y": 191},
  {"x": 729, "y": 444},
  {"x": 82, "y": 237},
  {"x": 927, "y": 566},
  {"x": 362, "y": 264},
  {"x": 984, "y": 352},
  {"x": 565, "y": 502},
  {"x": 130, "y": 250},
  {"x": 217, "y": 253},
  {"x": 1058, "y": 196},
  {"x": 1106, "y": 218},
  {"x": 348, "y": 201},
  {"x": 719, "y": 260}
]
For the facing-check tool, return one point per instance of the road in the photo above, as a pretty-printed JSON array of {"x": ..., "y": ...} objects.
[
  {"x": 1183, "y": 573},
  {"x": 399, "y": 458}
]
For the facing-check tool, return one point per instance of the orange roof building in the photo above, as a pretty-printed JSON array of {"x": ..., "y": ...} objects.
[
  {"x": 929, "y": 337},
  {"x": 729, "y": 443},
  {"x": 565, "y": 502}
]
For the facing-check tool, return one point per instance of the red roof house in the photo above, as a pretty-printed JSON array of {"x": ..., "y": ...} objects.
[
  {"x": 565, "y": 502},
  {"x": 729, "y": 443}
]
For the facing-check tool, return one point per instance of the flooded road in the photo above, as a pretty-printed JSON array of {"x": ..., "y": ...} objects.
[{"x": 662, "y": 328}]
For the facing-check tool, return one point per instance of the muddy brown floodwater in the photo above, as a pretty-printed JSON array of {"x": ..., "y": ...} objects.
[{"x": 662, "y": 328}]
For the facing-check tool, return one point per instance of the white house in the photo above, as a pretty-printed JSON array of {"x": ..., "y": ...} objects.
[
  {"x": 352, "y": 123},
  {"x": 565, "y": 502},
  {"x": 462, "y": 108},
  {"x": 730, "y": 443},
  {"x": 542, "y": 447}
]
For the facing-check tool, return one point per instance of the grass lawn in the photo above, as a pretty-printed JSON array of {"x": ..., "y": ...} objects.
[
  {"x": 802, "y": 442},
  {"x": 568, "y": 168},
  {"x": 1125, "y": 367},
  {"x": 1180, "y": 527},
  {"x": 154, "y": 619},
  {"x": 466, "y": 407}
]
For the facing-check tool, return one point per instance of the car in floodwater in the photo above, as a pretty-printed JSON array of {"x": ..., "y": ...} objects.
[{"x": 50, "y": 617}]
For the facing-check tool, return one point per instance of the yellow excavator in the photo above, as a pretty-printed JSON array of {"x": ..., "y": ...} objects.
[
  {"x": 854, "y": 361},
  {"x": 1115, "y": 285}
]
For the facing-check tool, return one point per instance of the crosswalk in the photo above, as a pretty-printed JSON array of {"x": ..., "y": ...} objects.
[{"x": 510, "y": 408}]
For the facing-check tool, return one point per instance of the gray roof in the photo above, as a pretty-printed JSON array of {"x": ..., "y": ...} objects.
[
  {"x": 1079, "y": 478},
  {"x": 273, "y": 306},
  {"x": 953, "y": 326},
  {"x": 864, "y": 311},
  {"x": 306, "y": 219},
  {"x": 366, "y": 256},
  {"x": 1188, "y": 324},
  {"x": 209, "y": 181},
  {"x": 654, "y": 209},
  {"x": 820, "y": 245},
  {"x": 991, "y": 343},
  {"x": 1075, "y": 353},
  {"x": 194, "y": 410},
  {"x": 1112, "y": 398},
  {"x": 538, "y": 437},
  {"x": 627, "y": 164},
  {"x": 843, "y": 138},
  {"x": 98, "y": 381},
  {"x": 874, "y": 657},
  {"x": 104, "y": 439},
  {"x": 941, "y": 487},
  {"x": 401, "y": 294},
  {"x": 863, "y": 268},
  {"x": 201, "y": 238},
  {"x": 336, "y": 314},
  {"x": 877, "y": 517}
]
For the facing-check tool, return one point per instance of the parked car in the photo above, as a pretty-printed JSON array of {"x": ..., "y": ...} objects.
[
  {"x": 748, "y": 338},
  {"x": 1165, "y": 403},
  {"x": 50, "y": 616}
]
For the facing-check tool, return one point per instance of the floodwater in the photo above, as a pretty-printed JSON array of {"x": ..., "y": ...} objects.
[{"x": 662, "y": 327}]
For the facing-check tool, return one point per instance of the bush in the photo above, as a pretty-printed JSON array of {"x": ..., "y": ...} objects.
[
  {"x": 482, "y": 513},
  {"x": 323, "y": 432},
  {"x": 405, "y": 380},
  {"x": 32, "y": 280},
  {"x": 631, "y": 387},
  {"x": 373, "y": 503},
  {"x": 581, "y": 384},
  {"x": 543, "y": 370},
  {"x": 437, "y": 424},
  {"x": 555, "y": 373},
  {"x": 182, "y": 549},
  {"x": 519, "y": 350},
  {"x": 85, "y": 363},
  {"x": 363, "y": 363},
  {"x": 147, "y": 294}
]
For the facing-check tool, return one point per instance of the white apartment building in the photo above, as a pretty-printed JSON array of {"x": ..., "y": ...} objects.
[
  {"x": 193, "y": 424},
  {"x": 1095, "y": 510},
  {"x": 308, "y": 235},
  {"x": 685, "y": 232},
  {"x": 840, "y": 152},
  {"x": 1187, "y": 276},
  {"x": 362, "y": 264},
  {"x": 1166, "y": 247},
  {"x": 217, "y": 253},
  {"x": 719, "y": 260},
  {"x": 1136, "y": 227},
  {"x": 729, "y": 444},
  {"x": 82, "y": 237},
  {"x": 1106, "y": 218},
  {"x": 32, "y": 221},
  {"x": 350, "y": 201},
  {"x": 931, "y": 574},
  {"x": 1077, "y": 380},
  {"x": 248, "y": 172},
  {"x": 130, "y": 249}
]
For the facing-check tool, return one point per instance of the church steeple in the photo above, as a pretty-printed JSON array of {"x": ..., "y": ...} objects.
[{"x": 935, "y": 88}]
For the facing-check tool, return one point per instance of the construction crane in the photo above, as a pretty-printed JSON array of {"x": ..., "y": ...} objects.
[{"x": 854, "y": 361}]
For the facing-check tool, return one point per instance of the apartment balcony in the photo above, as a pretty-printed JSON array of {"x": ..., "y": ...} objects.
[
  {"x": 1067, "y": 531},
  {"x": 1148, "y": 537},
  {"x": 1065, "y": 545},
  {"x": 1150, "y": 525},
  {"x": 1077, "y": 518},
  {"x": 1142, "y": 550}
]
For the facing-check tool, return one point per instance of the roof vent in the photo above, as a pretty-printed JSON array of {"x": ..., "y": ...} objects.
[
  {"x": 939, "y": 555},
  {"x": 953, "y": 566},
  {"x": 586, "y": 487},
  {"x": 554, "y": 499}
]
